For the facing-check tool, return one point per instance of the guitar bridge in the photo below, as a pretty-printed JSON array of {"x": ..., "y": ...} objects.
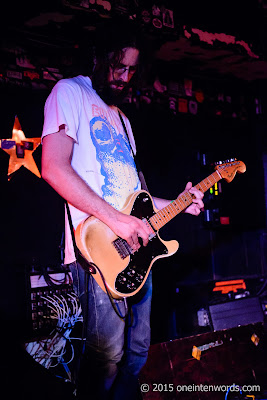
[{"x": 122, "y": 247}]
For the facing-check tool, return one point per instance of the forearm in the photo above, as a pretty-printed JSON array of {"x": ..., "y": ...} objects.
[
  {"x": 160, "y": 203},
  {"x": 68, "y": 184}
]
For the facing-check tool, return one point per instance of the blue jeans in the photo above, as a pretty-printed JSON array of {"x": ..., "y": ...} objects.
[{"x": 115, "y": 349}]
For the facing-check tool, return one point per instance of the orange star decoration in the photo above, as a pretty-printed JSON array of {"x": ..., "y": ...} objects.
[{"x": 20, "y": 150}]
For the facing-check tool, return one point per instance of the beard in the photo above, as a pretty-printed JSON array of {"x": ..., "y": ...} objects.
[{"x": 110, "y": 95}]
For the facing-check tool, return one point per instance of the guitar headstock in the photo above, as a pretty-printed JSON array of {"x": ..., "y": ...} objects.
[{"x": 229, "y": 168}]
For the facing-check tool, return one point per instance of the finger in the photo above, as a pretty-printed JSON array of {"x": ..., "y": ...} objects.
[
  {"x": 196, "y": 210},
  {"x": 199, "y": 202},
  {"x": 197, "y": 193},
  {"x": 188, "y": 186},
  {"x": 141, "y": 230},
  {"x": 144, "y": 232},
  {"x": 144, "y": 236},
  {"x": 133, "y": 242}
]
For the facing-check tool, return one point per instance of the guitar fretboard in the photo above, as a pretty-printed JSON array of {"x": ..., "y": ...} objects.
[{"x": 167, "y": 213}]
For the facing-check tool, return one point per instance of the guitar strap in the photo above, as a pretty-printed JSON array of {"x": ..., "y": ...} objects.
[
  {"x": 87, "y": 266},
  {"x": 138, "y": 167}
]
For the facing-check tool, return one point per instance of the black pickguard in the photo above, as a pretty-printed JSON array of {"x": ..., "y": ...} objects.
[{"x": 133, "y": 275}]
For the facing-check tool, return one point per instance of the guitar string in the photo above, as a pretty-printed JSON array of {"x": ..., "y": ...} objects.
[{"x": 163, "y": 216}]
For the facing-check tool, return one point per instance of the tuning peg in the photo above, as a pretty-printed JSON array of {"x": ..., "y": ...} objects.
[{"x": 229, "y": 160}]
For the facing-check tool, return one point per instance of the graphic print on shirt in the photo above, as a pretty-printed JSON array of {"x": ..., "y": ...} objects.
[{"x": 117, "y": 164}]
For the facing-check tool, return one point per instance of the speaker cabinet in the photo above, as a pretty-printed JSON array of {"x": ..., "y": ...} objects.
[
  {"x": 236, "y": 313},
  {"x": 227, "y": 357}
]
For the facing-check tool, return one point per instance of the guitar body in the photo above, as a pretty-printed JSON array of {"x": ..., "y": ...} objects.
[{"x": 124, "y": 273}]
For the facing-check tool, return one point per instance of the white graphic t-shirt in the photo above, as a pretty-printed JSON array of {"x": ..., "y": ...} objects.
[{"x": 102, "y": 155}]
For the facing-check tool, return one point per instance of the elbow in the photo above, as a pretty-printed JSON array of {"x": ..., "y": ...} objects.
[
  {"x": 46, "y": 175},
  {"x": 49, "y": 168},
  {"x": 47, "y": 171},
  {"x": 54, "y": 172}
]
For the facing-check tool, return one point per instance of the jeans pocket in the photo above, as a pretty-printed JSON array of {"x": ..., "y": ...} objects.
[{"x": 78, "y": 278}]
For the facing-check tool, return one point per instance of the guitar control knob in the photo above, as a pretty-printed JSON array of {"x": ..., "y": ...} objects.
[
  {"x": 139, "y": 278},
  {"x": 131, "y": 286},
  {"x": 122, "y": 279}
]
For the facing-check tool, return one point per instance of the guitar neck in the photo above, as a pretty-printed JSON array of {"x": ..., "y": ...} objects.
[{"x": 167, "y": 213}]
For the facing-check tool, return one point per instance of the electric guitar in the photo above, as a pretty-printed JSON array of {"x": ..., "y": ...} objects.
[{"x": 123, "y": 270}]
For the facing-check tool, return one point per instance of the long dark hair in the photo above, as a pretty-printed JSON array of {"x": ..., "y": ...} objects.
[{"x": 111, "y": 38}]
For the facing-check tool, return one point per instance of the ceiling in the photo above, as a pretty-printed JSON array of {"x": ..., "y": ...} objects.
[{"x": 210, "y": 39}]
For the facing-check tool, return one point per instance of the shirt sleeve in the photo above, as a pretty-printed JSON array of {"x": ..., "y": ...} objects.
[{"x": 62, "y": 107}]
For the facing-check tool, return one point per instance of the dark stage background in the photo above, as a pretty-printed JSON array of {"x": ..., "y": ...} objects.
[
  {"x": 175, "y": 145},
  {"x": 171, "y": 149}
]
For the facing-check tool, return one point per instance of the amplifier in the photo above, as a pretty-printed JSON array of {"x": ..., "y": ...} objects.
[
  {"x": 236, "y": 313},
  {"x": 205, "y": 366}
]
